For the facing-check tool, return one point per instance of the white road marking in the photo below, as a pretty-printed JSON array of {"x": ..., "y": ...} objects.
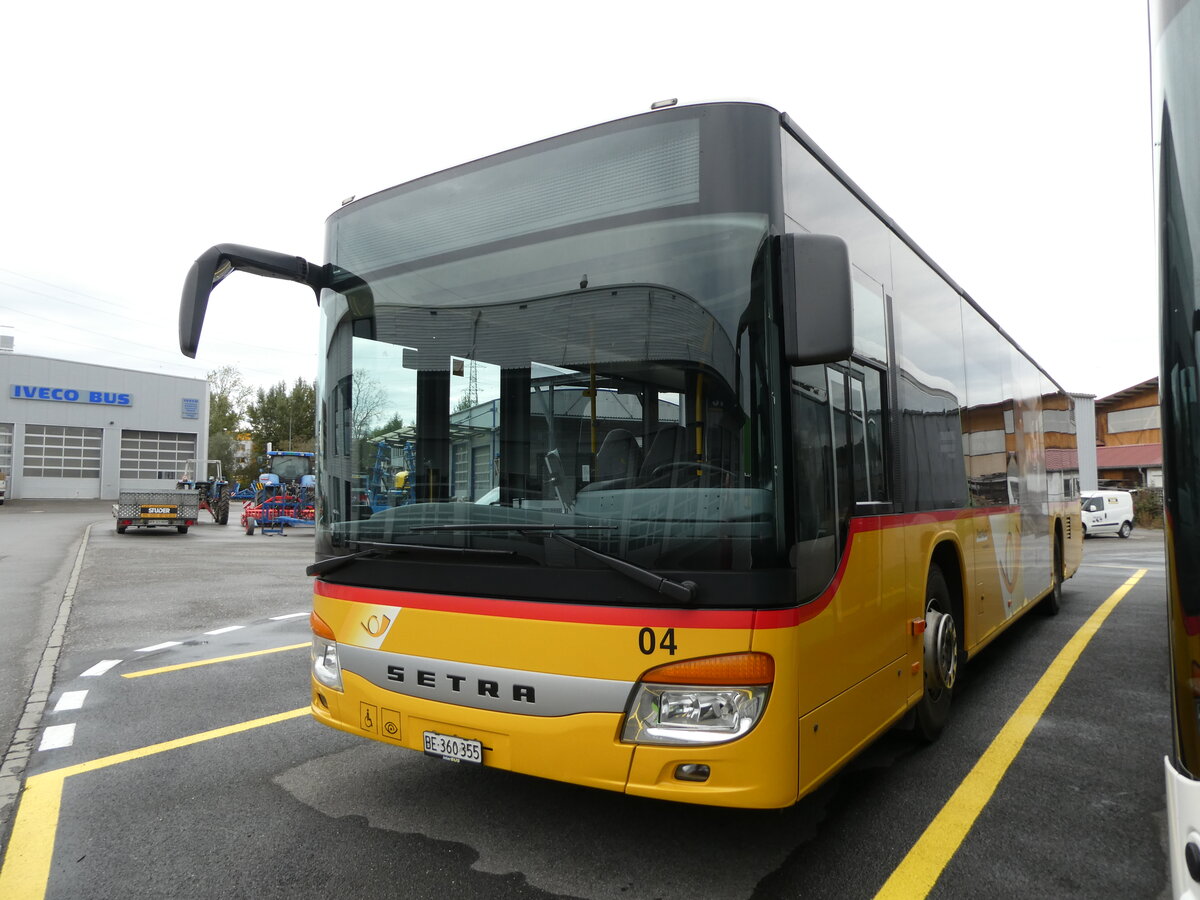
[
  {"x": 163, "y": 646},
  {"x": 100, "y": 668},
  {"x": 70, "y": 700},
  {"x": 226, "y": 629},
  {"x": 57, "y": 736},
  {"x": 288, "y": 616}
]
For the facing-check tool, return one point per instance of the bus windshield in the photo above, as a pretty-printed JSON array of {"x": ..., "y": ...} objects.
[{"x": 590, "y": 365}]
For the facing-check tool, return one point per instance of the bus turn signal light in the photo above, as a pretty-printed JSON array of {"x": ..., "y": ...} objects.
[
  {"x": 729, "y": 668},
  {"x": 319, "y": 627}
]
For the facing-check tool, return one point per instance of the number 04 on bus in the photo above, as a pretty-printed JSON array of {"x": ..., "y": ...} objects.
[{"x": 655, "y": 457}]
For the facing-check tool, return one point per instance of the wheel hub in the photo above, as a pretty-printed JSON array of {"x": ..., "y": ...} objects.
[{"x": 941, "y": 649}]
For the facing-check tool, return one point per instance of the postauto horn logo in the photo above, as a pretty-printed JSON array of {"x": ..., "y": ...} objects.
[{"x": 70, "y": 395}]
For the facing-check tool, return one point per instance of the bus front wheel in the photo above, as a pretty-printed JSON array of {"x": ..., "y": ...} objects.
[{"x": 941, "y": 657}]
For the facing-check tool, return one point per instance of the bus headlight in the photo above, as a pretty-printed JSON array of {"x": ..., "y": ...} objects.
[
  {"x": 700, "y": 701},
  {"x": 325, "y": 666}
]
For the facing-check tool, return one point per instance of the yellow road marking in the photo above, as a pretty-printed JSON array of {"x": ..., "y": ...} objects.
[
  {"x": 919, "y": 871},
  {"x": 26, "y": 870},
  {"x": 209, "y": 662}
]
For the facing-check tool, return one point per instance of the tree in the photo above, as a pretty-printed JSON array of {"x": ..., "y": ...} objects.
[
  {"x": 227, "y": 398},
  {"x": 285, "y": 419},
  {"x": 395, "y": 423},
  {"x": 368, "y": 399}
]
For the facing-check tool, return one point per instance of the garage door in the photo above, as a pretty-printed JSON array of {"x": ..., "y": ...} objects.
[
  {"x": 6, "y": 447},
  {"x": 6, "y": 455},
  {"x": 158, "y": 455},
  {"x": 64, "y": 458}
]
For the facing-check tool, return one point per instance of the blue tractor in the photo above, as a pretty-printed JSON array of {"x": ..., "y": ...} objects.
[{"x": 214, "y": 490}]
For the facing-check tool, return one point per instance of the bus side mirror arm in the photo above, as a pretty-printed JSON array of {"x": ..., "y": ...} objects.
[
  {"x": 216, "y": 263},
  {"x": 818, "y": 312}
]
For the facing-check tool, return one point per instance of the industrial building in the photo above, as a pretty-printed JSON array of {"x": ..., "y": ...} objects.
[{"x": 71, "y": 430}]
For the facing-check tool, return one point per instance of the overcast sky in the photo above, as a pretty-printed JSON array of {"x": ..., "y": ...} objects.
[{"x": 1011, "y": 141}]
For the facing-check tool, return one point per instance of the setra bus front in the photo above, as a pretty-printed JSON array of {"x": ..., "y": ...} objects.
[{"x": 578, "y": 349}]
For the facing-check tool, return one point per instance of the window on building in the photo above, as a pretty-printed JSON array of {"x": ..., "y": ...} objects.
[
  {"x": 162, "y": 455},
  {"x": 1144, "y": 418},
  {"x": 62, "y": 451}
]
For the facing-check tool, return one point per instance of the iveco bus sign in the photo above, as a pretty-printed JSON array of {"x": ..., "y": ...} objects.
[{"x": 69, "y": 395}]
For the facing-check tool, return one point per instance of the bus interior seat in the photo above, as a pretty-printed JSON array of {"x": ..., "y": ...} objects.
[
  {"x": 619, "y": 456},
  {"x": 666, "y": 447}
]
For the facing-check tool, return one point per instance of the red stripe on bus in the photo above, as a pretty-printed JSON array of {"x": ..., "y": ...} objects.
[
  {"x": 643, "y": 616},
  {"x": 544, "y": 612}
]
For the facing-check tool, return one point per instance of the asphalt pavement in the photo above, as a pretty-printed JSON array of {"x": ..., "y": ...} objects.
[
  {"x": 39, "y": 541},
  {"x": 195, "y": 770}
]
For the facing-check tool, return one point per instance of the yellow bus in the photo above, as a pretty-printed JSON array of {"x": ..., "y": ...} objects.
[
  {"x": 714, "y": 475},
  {"x": 1175, "y": 33}
]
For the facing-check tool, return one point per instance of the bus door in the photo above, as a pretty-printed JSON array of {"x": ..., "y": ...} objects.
[
  {"x": 843, "y": 498},
  {"x": 871, "y": 602}
]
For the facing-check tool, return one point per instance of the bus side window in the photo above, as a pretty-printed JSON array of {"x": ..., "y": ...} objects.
[{"x": 867, "y": 436}]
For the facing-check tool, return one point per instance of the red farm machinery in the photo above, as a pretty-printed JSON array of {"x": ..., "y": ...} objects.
[{"x": 283, "y": 495}]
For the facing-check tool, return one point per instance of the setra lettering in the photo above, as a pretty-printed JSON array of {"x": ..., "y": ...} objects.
[{"x": 521, "y": 693}]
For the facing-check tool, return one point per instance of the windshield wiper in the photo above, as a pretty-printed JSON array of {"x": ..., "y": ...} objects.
[
  {"x": 380, "y": 549},
  {"x": 679, "y": 591}
]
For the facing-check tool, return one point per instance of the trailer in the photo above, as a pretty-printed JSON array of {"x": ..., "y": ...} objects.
[{"x": 157, "y": 509}]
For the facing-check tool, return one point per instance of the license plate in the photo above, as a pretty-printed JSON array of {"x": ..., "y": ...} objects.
[{"x": 455, "y": 749}]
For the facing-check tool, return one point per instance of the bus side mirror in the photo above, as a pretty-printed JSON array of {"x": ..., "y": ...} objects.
[
  {"x": 818, "y": 312},
  {"x": 215, "y": 263}
]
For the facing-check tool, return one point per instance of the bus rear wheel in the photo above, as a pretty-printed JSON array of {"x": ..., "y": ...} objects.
[
  {"x": 941, "y": 657},
  {"x": 1052, "y": 602}
]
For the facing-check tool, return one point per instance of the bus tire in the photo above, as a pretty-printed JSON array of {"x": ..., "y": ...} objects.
[
  {"x": 1052, "y": 602},
  {"x": 941, "y": 657}
]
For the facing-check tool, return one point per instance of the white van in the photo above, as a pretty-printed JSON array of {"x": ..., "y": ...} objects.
[{"x": 1108, "y": 512}]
